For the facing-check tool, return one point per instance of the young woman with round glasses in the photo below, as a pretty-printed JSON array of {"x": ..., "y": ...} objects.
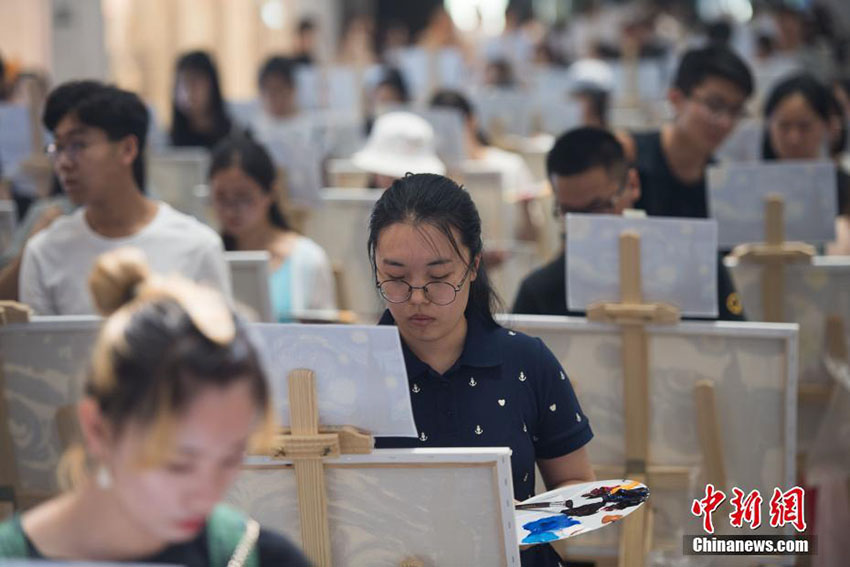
[{"x": 472, "y": 382}]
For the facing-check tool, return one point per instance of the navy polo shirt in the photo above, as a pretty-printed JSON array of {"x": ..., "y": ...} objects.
[{"x": 506, "y": 390}]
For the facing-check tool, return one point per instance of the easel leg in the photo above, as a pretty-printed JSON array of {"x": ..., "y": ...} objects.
[{"x": 313, "y": 505}]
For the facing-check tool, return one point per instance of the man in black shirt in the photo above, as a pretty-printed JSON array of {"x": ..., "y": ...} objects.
[
  {"x": 709, "y": 91},
  {"x": 589, "y": 174}
]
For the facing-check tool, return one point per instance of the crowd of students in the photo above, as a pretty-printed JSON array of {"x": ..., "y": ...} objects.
[{"x": 172, "y": 352}]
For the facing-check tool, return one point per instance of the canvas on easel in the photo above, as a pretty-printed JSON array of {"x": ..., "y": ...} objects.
[{"x": 398, "y": 504}]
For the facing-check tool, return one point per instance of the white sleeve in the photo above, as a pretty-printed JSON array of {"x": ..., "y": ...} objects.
[
  {"x": 212, "y": 268},
  {"x": 323, "y": 290},
  {"x": 31, "y": 288}
]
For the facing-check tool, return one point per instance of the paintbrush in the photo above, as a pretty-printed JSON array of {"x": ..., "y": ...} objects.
[{"x": 543, "y": 505}]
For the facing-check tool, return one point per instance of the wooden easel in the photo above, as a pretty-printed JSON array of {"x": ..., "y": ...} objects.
[
  {"x": 773, "y": 254},
  {"x": 307, "y": 446},
  {"x": 10, "y": 312},
  {"x": 633, "y": 314}
]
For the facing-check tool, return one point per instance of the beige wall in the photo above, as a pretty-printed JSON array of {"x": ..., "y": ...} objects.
[
  {"x": 144, "y": 37},
  {"x": 25, "y": 32}
]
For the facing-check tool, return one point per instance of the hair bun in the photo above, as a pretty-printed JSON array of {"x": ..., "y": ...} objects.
[{"x": 116, "y": 277}]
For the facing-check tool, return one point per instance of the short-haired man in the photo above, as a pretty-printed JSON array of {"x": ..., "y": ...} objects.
[
  {"x": 98, "y": 154},
  {"x": 709, "y": 91},
  {"x": 589, "y": 174}
]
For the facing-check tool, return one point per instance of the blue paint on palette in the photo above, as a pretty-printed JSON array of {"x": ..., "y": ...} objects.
[{"x": 543, "y": 530}]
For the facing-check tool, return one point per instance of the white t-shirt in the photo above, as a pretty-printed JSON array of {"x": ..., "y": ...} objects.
[
  {"x": 57, "y": 261},
  {"x": 518, "y": 182}
]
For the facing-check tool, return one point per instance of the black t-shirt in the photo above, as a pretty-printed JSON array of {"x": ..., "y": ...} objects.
[
  {"x": 662, "y": 193},
  {"x": 544, "y": 292},
  {"x": 843, "y": 192},
  {"x": 273, "y": 550}
]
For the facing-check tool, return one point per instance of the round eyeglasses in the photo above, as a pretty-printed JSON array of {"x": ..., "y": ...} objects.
[{"x": 438, "y": 293}]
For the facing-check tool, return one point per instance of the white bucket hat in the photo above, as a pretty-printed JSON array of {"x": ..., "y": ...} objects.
[
  {"x": 400, "y": 143},
  {"x": 591, "y": 74}
]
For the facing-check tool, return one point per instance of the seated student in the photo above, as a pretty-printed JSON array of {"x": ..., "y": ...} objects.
[
  {"x": 797, "y": 116},
  {"x": 399, "y": 143},
  {"x": 389, "y": 94},
  {"x": 306, "y": 42},
  {"x": 98, "y": 154},
  {"x": 175, "y": 395},
  {"x": 589, "y": 174},
  {"x": 592, "y": 83},
  {"x": 708, "y": 94},
  {"x": 473, "y": 383},
  {"x": 518, "y": 183},
  {"x": 276, "y": 82},
  {"x": 198, "y": 114},
  {"x": 242, "y": 179}
]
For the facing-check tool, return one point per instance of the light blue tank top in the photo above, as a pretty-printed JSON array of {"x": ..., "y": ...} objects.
[{"x": 280, "y": 288}]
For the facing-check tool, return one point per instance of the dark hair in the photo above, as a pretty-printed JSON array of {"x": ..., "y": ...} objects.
[
  {"x": 504, "y": 72},
  {"x": 277, "y": 65},
  {"x": 719, "y": 32},
  {"x": 393, "y": 78},
  {"x": 599, "y": 101},
  {"x": 254, "y": 160},
  {"x": 306, "y": 25},
  {"x": 584, "y": 148},
  {"x": 427, "y": 198},
  {"x": 165, "y": 340},
  {"x": 697, "y": 65},
  {"x": 836, "y": 110},
  {"x": 455, "y": 100},
  {"x": 447, "y": 98},
  {"x": 817, "y": 96},
  {"x": 117, "y": 112},
  {"x": 181, "y": 130}
]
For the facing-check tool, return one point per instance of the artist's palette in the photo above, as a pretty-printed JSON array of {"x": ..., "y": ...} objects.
[{"x": 577, "y": 509}]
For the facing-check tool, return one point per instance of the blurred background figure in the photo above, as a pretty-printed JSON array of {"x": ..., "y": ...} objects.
[
  {"x": 242, "y": 179},
  {"x": 198, "y": 117}
]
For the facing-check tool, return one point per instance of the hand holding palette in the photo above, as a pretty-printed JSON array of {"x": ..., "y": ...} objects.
[{"x": 575, "y": 509}]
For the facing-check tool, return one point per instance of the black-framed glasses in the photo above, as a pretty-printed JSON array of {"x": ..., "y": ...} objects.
[
  {"x": 596, "y": 207},
  {"x": 438, "y": 293},
  {"x": 718, "y": 108},
  {"x": 72, "y": 149}
]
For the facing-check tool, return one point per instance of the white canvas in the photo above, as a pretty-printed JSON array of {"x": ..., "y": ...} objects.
[
  {"x": 396, "y": 504},
  {"x": 178, "y": 177},
  {"x": 737, "y": 193},
  {"x": 44, "y": 363},
  {"x": 341, "y": 227},
  {"x": 744, "y": 143},
  {"x": 249, "y": 274},
  {"x": 678, "y": 261},
  {"x": 508, "y": 107},
  {"x": 754, "y": 370},
  {"x": 360, "y": 374},
  {"x": 813, "y": 293},
  {"x": 449, "y": 132}
]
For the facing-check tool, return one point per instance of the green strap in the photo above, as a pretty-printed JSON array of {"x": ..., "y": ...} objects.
[
  {"x": 225, "y": 528},
  {"x": 13, "y": 543}
]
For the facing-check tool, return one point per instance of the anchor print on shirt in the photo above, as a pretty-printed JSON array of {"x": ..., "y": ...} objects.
[
  {"x": 423, "y": 437},
  {"x": 478, "y": 430},
  {"x": 522, "y": 376},
  {"x": 472, "y": 382},
  {"x": 415, "y": 389}
]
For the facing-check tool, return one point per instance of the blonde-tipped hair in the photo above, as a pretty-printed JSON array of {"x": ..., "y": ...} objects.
[{"x": 163, "y": 337}]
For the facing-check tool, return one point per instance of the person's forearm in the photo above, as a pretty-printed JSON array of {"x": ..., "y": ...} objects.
[{"x": 9, "y": 279}]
